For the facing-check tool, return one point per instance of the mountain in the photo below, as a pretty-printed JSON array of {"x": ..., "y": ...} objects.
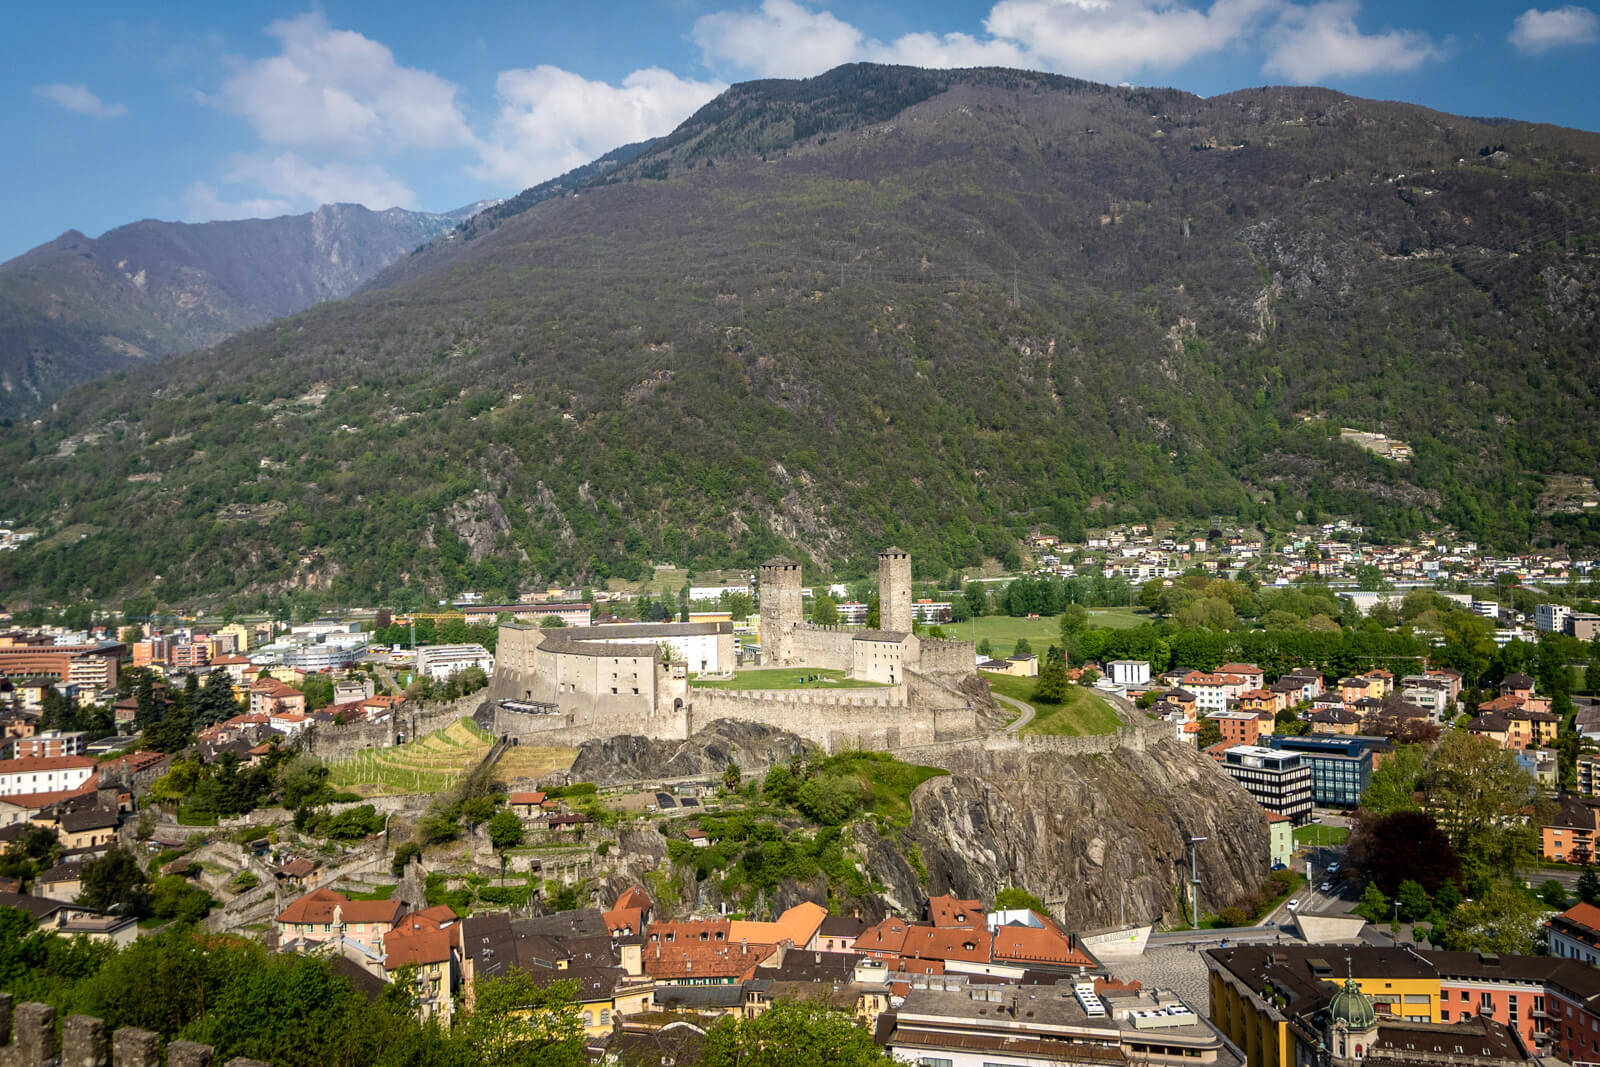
[
  {"x": 883, "y": 305},
  {"x": 80, "y": 307}
]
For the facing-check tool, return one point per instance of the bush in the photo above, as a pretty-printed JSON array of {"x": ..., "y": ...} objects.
[
  {"x": 244, "y": 881},
  {"x": 190, "y": 817},
  {"x": 1232, "y": 917},
  {"x": 403, "y": 855}
]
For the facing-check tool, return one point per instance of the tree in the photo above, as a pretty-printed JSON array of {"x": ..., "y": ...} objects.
[
  {"x": 1505, "y": 920},
  {"x": 1023, "y": 648},
  {"x": 1074, "y": 620},
  {"x": 1012, "y": 897},
  {"x": 1393, "y": 785},
  {"x": 791, "y": 1034},
  {"x": 552, "y": 622},
  {"x": 731, "y": 776},
  {"x": 1413, "y": 901},
  {"x": 985, "y": 648},
  {"x": 505, "y": 830},
  {"x": 132, "y": 635},
  {"x": 1589, "y": 886},
  {"x": 1051, "y": 687},
  {"x": 1477, "y": 787},
  {"x": 516, "y": 1022},
  {"x": 1374, "y": 906},
  {"x": 1403, "y": 846},
  {"x": 825, "y": 611},
  {"x": 829, "y": 799},
  {"x": 1210, "y": 733},
  {"x": 115, "y": 880},
  {"x": 1553, "y": 893},
  {"x": 172, "y": 897}
]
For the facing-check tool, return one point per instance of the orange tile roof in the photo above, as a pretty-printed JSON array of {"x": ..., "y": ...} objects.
[
  {"x": 1585, "y": 915},
  {"x": 537, "y": 797},
  {"x": 953, "y": 911},
  {"x": 696, "y": 960},
  {"x": 1029, "y": 944},
  {"x": 319, "y": 905},
  {"x": 40, "y": 800},
  {"x": 46, "y": 763},
  {"x": 421, "y": 945},
  {"x": 948, "y": 943},
  {"x": 888, "y": 936},
  {"x": 632, "y": 897},
  {"x": 687, "y": 930},
  {"x": 797, "y": 926}
]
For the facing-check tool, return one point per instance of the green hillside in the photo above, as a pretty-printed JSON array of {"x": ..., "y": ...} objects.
[{"x": 883, "y": 305}]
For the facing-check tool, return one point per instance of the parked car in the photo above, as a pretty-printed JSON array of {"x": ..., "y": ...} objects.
[{"x": 1293, "y": 904}]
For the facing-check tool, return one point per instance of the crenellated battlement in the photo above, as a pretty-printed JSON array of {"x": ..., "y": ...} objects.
[{"x": 28, "y": 1039}]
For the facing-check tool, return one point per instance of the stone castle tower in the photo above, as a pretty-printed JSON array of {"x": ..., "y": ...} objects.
[
  {"x": 894, "y": 590},
  {"x": 781, "y": 610}
]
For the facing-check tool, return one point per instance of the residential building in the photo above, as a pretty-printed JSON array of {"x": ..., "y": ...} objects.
[
  {"x": 45, "y": 774},
  {"x": 1568, "y": 836},
  {"x": 1583, "y": 625},
  {"x": 1129, "y": 672},
  {"x": 1213, "y": 691},
  {"x": 1279, "y": 781},
  {"x": 428, "y": 943},
  {"x": 324, "y": 915},
  {"x": 1551, "y": 618},
  {"x": 1575, "y": 934},
  {"x": 570, "y": 613},
  {"x": 1238, "y": 727},
  {"x": 1280, "y": 836},
  {"x": 50, "y": 744}
]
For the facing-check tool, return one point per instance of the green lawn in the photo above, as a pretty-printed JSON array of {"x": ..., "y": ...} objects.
[
  {"x": 1317, "y": 834},
  {"x": 887, "y": 783},
  {"x": 1003, "y": 630},
  {"x": 789, "y": 678},
  {"x": 1082, "y": 713}
]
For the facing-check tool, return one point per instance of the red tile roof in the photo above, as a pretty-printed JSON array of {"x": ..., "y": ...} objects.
[
  {"x": 953, "y": 911},
  {"x": 28, "y": 764},
  {"x": 1029, "y": 944},
  {"x": 319, "y": 905},
  {"x": 691, "y": 960}
]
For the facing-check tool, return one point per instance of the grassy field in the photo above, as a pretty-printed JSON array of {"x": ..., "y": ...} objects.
[
  {"x": 1003, "y": 630},
  {"x": 789, "y": 678},
  {"x": 1317, "y": 834},
  {"x": 1083, "y": 712},
  {"x": 431, "y": 764}
]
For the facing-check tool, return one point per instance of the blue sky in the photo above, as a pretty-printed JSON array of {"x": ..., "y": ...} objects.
[{"x": 114, "y": 111}]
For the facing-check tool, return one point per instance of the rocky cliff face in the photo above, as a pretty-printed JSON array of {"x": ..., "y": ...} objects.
[
  {"x": 1098, "y": 837},
  {"x": 629, "y": 758}
]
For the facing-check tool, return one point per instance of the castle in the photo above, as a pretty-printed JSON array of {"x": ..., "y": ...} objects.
[{"x": 567, "y": 686}]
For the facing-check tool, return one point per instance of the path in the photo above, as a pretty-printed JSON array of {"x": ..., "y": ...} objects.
[{"x": 1016, "y": 725}]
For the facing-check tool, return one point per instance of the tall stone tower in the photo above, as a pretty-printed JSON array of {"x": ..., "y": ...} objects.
[
  {"x": 781, "y": 610},
  {"x": 894, "y": 590}
]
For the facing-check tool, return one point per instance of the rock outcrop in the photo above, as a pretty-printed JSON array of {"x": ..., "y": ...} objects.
[
  {"x": 1099, "y": 837},
  {"x": 630, "y": 758}
]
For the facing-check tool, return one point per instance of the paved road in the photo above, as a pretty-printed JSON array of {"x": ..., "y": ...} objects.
[{"x": 1024, "y": 719}]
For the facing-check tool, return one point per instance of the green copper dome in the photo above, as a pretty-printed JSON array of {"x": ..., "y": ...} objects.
[{"x": 1351, "y": 1007}]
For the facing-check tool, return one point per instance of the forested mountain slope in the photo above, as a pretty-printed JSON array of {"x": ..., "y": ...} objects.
[
  {"x": 79, "y": 307},
  {"x": 883, "y": 305}
]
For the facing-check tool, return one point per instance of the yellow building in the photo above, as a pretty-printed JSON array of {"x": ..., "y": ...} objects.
[{"x": 243, "y": 636}]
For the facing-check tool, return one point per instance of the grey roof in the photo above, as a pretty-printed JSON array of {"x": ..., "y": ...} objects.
[
  {"x": 653, "y": 629},
  {"x": 886, "y": 636},
  {"x": 780, "y": 561},
  {"x": 38, "y": 907}
]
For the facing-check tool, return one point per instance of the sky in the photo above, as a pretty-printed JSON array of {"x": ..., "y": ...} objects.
[{"x": 114, "y": 112}]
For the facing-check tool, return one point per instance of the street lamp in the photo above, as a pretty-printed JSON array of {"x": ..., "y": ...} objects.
[{"x": 1194, "y": 882}]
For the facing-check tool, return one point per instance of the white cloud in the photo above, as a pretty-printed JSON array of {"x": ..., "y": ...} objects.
[
  {"x": 78, "y": 98},
  {"x": 782, "y": 40},
  {"x": 338, "y": 90},
  {"x": 552, "y": 120},
  {"x": 1112, "y": 39},
  {"x": 286, "y": 177},
  {"x": 1538, "y": 31},
  {"x": 1312, "y": 44},
  {"x": 203, "y": 203}
]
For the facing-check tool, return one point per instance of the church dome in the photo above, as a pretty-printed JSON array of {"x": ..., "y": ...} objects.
[{"x": 1352, "y": 1007}]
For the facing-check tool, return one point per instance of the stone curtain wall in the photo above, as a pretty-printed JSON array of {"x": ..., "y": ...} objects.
[
  {"x": 948, "y": 656},
  {"x": 828, "y": 647},
  {"x": 28, "y": 1039},
  {"x": 331, "y": 742},
  {"x": 847, "y": 718}
]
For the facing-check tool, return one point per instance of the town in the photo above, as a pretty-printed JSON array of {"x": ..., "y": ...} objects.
[{"x": 432, "y": 802}]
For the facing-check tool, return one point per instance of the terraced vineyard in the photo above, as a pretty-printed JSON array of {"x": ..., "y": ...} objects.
[{"x": 432, "y": 763}]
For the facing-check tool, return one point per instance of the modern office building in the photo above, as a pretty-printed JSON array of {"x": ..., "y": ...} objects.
[
  {"x": 1341, "y": 766},
  {"x": 1280, "y": 781}
]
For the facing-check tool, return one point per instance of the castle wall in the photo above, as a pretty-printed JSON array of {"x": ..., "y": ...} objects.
[
  {"x": 407, "y": 722},
  {"x": 836, "y": 720},
  {"x": 883, "y": 661},
  {"x": 947, "y": 656},
  {"x": 828, "y": 647}
]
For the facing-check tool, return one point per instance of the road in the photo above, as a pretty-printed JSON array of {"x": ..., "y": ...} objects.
[{"x": 1024, "y": 719}]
